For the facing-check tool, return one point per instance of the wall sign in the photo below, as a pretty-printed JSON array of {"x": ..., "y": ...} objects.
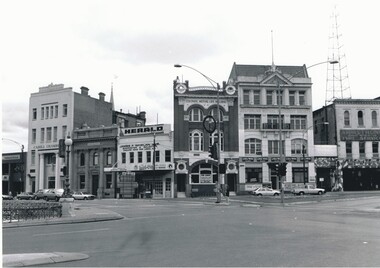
[{"x": 359, "y": 135}]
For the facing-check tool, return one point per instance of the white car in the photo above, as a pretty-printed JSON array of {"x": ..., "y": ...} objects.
[
  {"x": 83, "y": 196},
  {"x": 261, "y": 191}
]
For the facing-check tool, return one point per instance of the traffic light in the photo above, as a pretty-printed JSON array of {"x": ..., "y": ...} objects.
[
  {"x": 213, "y": 151},
  {"x": 64, "y": 170},
  {"x": 274, "y": 168},
  {"x": 61, "y": 148},
  {"x": 282, "y": 169}
]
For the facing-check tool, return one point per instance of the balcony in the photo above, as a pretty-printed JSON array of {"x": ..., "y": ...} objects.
[{"x": 275, "y": 126}]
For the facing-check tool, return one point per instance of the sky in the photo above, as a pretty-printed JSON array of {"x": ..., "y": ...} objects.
[{"x": 133, "y": 46}]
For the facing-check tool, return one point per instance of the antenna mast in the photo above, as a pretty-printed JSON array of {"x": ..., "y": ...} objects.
[{"x": 337, "y": 83}]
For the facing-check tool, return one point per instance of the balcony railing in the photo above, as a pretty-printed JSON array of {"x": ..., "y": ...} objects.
[{"x": 276, "y": 126}]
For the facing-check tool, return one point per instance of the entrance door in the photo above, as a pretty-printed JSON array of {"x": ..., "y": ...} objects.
[
  {"x": 95, "y": 184},
  {"x": 274, "y": 179},
  {"x": 181, "y": 185},
  {"x": 231, "y": 181},
  {"x": 158, "y": 189}
]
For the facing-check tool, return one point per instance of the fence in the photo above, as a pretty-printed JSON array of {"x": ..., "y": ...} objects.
[{"x": 15, "y": 210}]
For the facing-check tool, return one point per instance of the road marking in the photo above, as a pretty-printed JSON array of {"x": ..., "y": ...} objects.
[{"x": 73, "y": 232}]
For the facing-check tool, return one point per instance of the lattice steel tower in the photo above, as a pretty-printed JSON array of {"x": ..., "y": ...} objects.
[{"x": 337, "y": 83}]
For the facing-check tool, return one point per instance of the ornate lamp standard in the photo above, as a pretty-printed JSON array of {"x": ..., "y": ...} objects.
[
  {"x": 68, "y": 143},
  {"x": 216, "y": 86}
]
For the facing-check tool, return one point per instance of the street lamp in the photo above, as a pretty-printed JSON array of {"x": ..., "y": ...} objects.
[
  {"x": 279, "y": 93},
  {"x": 217, "y": 88},
  {"x": 68, "y": 143}
]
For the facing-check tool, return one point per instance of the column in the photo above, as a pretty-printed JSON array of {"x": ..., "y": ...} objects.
[
  {"x": 41, "y": 174},
  {"x": 74, "y": 184},
  {"x": 87, "y": 179},
  {"x": 101, "y": 171},
  {"x": 57, "y": 172}
]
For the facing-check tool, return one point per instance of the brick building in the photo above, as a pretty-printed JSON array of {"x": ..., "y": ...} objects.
[{"x": 196, "y": 172}]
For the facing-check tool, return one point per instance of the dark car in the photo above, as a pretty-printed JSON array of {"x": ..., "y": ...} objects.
[
  {"x": 40, "y": 194},
  {"x": 25, "y": 196},
  {"x": 53, "y": 194}
]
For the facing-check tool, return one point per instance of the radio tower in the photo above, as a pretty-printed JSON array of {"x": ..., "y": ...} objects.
[{"x": 337, "y": 84}]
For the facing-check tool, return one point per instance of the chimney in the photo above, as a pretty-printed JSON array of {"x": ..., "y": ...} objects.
[
  {"x": 101, "y": 96},
  {"x": 84, "y": 91}
]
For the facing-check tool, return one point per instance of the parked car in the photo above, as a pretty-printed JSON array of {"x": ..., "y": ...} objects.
[
  {"x": 7, "y": 197},
  {"x": 83, "y": 196},
  {"x": 25, "y": 196},
  {"x": 40, "y": 194},
  {"x": 308, "y": 189},
  {"x": 261, "y": 191},
  {"x": 53, "y": 194}
]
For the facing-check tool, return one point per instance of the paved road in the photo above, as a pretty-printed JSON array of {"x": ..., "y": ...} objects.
[{"x": 192, "y": 233}]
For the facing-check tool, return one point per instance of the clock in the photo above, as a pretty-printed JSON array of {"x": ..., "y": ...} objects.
[
  {"x": 209, "y": 124},
  {"x": 181, "y": 88}
]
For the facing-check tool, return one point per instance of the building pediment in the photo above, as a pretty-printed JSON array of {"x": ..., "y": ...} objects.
[{"x": 275, "y": 79}]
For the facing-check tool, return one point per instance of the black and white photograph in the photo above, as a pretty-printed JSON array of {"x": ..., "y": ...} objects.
[{"x": 178, "y": 133}]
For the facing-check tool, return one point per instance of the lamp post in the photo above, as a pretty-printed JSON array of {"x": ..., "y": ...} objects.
[
  {"x": 279, "y": 97},
  {"x": 68, "y": 143},
  {"x": 217, "y": 88}
]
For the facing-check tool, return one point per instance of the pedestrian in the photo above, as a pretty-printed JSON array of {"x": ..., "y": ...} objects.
[{"x": 227, "y": 194}]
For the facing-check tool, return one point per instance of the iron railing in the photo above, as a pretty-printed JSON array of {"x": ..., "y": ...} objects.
[{"x": 17, "y": 210}]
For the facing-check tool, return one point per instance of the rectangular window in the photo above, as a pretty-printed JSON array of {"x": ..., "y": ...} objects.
[
  {"x": 34, "y": 135},
  {"x": 55, "y": 134},
  {"x": 253, "y": 175},
  {"x": 256, "y": 97},
  {"x": 298, "y": 121},
  {"x": 349, "y": 148},
  {"x": 64, "y": 132},
  {"x": 56, "y": 111},
  {"x": 148, "y": 156},
  {"x": 157, "y": 156},
  {"x": 48, "y": 134},
  {"x": 33, "y": 157},
  {"x": 123, "y": 158},
  {"x": 47, "y": 112},
  {"x": 375, "y": 147},
  {"x": 270, "y": 97},
  {"x": 34, "y": 114},
  {"x": 139, "y": 157},
  {"x": 131, "y": 157},
  {"x": 82, "y": 181},
  {"x": 246, "y": 96},
  {"x": 42, "y": 135},
  {"x": 108, "y": 181},
  {"x": 301, "y": 97},
  {"x": 252, "y": 121},
  {"x": 273, "y": 122},
  {"x": 168, "y": 155},
  {"x": 273, "y": 147},
  {"x": 64, "y": 110},
  {"x": 292, "y": 97},
  {"x": 298, "y": 174},
  {"x": 42, "y": 113},
  {"x": 362, "y": 149},
  {"x": 51, "y": 111}
]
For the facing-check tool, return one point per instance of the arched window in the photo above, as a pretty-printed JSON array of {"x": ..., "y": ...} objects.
[
  {"x": 95, "y": 159},
  {"x": 252, "y": 146},
  {"x": 214, "y": 113},
  {"x": 374, "y": 118},
  {"x": 360, "y": 118},
  {"x": 346, "y": 118},
  {"x": 196, "y": 115},
  {"x": 82, "y": 159},
  {"x": 297, "y": 146},
  {"x": 196, "y": 141},
  {"x": 109, "y": 158},
  {"x": 214, "y": 138}
]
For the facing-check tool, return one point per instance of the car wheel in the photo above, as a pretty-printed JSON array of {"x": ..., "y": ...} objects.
[
  {"x": 302, "y": 193},
  {"x": 30, "y": 198},
  {"x": 56, "y": 198},
  {"x": 275, "y": 194},
  {"x": 35, "y": 198},
  {"x": 85, "y": 198},
  {"x": 45, "y": 198},
  {"x": 259, "y": 194},
  {"x": 320, "y": 193}
]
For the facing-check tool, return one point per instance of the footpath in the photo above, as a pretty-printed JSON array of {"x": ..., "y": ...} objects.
[{"x": 78, "y": 214}]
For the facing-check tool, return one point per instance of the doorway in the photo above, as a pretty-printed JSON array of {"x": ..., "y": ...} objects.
[{"x": 95, "y": 184}]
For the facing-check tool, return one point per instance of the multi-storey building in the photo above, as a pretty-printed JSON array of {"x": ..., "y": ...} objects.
[
  {"x": 145, "y": 161},
  {"x": 354, "y": 127},
  {"x": 196, "y": 173},
  {"x": 54, "y": 111},
  {"x": 270, "y": 96},
  {"x": 13, "y": 172}
]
